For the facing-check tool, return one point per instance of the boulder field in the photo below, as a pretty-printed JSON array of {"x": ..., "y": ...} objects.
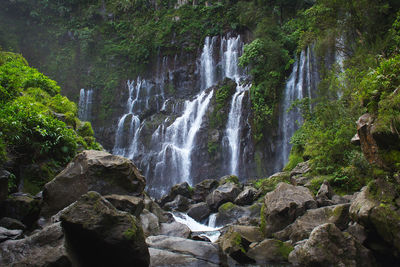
[{"x": 96, "y": 213}]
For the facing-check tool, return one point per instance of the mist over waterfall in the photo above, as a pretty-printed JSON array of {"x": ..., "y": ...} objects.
[
  {"x": 301, "y": 83},
  {"x": 85, "y": 104},
  {"x": 165, "y": 125}
]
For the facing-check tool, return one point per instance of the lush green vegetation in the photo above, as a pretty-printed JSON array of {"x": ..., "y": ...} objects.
[
  {"x": 369, "y": 83},
  {"x": 37, "y": 124}
]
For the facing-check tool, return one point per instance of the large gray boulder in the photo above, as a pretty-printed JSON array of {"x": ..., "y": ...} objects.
[
  {"x": 177, "y": 251},
  {"x": 100, "y": 235},
  {"x": 44, "y": 248},
  {"x": 202, "y": 189},
  {"x": 328, "y": 246},
  {"x": 92, "y": 171},
  {"x": 284, "y": 205},
  {"x": 224, "y": 193},
  {"x": 199, "y": 211},
  {"x": 303, "y": 226}
]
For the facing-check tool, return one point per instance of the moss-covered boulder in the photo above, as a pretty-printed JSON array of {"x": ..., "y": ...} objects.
[
  {"x": 100, "y": 235},
  {"x": 375, "y": 208},
  {"x": 92, "y": 171},
  {"x": 270, "y": 250},
  {"x": 235, "y": 245},
  {"x": 328, "y": 246},
  {"x": 230, "y": 213}
]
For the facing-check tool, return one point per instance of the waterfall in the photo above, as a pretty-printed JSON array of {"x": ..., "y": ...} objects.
[
  {"x": 174, "y": 159},
  {"x": 302, "y": 83},
  {"x": 160, "y": 127},
  {"x": 230, "y": 67},
  {"x": 207, "y": 66},
  {"x": 85, "y": 104},
  {"x": 126, "y": 142}
]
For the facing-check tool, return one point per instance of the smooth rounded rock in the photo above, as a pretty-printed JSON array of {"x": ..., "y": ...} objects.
[{"x": 92, "y": 170}]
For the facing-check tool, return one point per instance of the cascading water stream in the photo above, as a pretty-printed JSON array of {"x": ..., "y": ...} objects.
[
  {"x": 178, "y": 140},
  {"x": 230, "y": 64},
  {"x": 301, "y": 83},
  {"x": 212, "y": 233},
  {"x": 127, "y": 146},
  {"x": 85, "y": 104},
  {"x": 167, "y": 156}
]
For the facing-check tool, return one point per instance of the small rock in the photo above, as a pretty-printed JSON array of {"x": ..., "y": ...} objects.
[
  {"x": 6, "y": 234},
  {"x": 324, "y": 195},
  {"x": 246, "y": 197},
  {"x": 180, "y": 203},
  {"x": 357, "y": 231},
  {"x": 130, "y": 204},
  {"x": 182, "y": 189},
  {"x": 175, "y": 229},
  {"x": 300, "y": 180},
  {"x": 12, "y": 224},
  {"x": 202, "y": 189},
  {"x": 224, "y": 193},
  {"x": 204, "y": 253},
  {"x": 199, "y": 211},
  {"x": 230, "y": 213},
  {"x": 336, "y": 199},
  {"x": 150, "y": 223},
  {"x": 154, "y": 208},
  {"x": 301, "y": 169}
]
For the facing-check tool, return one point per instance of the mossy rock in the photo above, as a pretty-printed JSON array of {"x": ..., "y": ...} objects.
[{"x": 229, "y": 179}]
